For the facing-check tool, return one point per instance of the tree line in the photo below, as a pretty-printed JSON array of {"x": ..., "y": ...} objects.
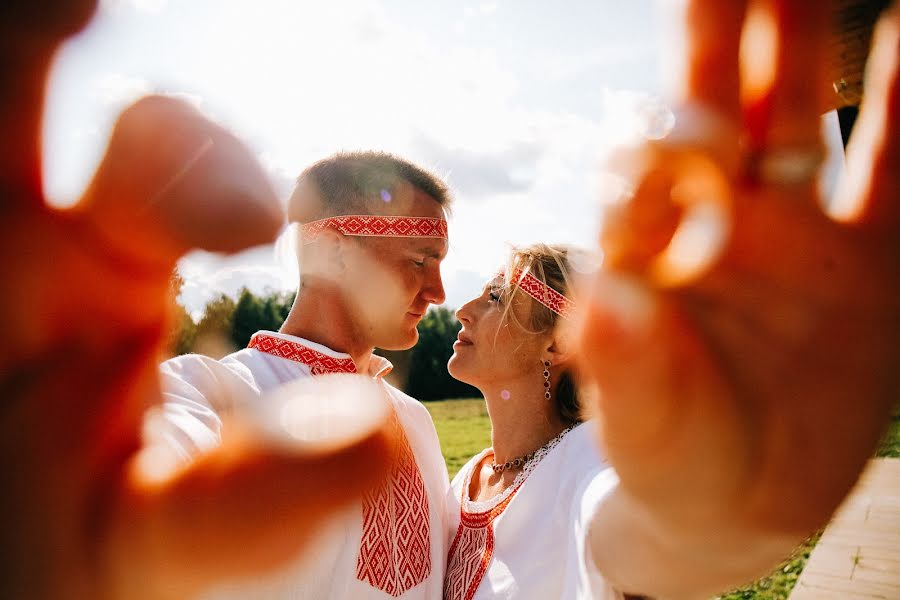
[{"x": 227, "y": 325}]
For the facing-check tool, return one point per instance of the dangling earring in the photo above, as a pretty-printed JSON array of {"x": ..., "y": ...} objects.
[{"x": 547, "y": 379}]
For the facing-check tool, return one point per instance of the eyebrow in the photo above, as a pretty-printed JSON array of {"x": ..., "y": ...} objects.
[
  {"x": 431, "y": 251},
  {"x": 493, "y": 284}
]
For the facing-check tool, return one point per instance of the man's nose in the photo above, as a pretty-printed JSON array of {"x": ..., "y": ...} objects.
[{"x": 433, "y": 288}]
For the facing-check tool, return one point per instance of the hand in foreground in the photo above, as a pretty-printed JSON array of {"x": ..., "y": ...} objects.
[
  {"x": 745, "y": 382},
  {"x": 84, "y": 313}
]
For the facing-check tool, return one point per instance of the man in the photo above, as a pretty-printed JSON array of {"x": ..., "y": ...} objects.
[{"x": 373, "y": 235}]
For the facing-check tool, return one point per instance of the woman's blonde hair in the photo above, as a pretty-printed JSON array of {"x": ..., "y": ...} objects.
[{"x": 552, "y": 265}]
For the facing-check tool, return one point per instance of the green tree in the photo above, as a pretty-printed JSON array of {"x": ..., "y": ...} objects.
[
  {"x": 253, "y": 313},
  {"x": 249, "y": 315},
  {"x": 213, "y": 336},
  {"x": 428, "y": 376},
  {"x": 183, "y": 330}
]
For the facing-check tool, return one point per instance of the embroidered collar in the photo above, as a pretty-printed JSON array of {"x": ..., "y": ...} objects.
[{"x": 320, "y": 359}]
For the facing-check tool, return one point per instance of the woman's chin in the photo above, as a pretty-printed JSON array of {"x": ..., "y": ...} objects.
[{"x": 457, "y": 369}]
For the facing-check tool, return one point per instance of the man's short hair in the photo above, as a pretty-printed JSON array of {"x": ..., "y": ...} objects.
[{"x": 350, "y": 183}]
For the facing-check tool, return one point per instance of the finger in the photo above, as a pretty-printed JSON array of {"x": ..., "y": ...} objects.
[
  {"x": 705, "y": 53},
  {"x": 29, "y": 35},
  {"x": 676, "y": 223},
  {"x": 239, "y": 512},
  {"x": 172, "y": 180},
  {"x": 44, "y": 20},
  {"x": 656, "y": 381},
  {"x": 868, "y": 193},
  {"x": 70, "y": 418},
  {"x": 287, "y": 461},
  {"x": 787, "y": 112}
]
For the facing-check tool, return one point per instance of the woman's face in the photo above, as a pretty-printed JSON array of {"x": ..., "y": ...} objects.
[{"x": 494, "y": 345}]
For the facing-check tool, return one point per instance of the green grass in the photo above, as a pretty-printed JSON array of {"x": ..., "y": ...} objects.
[
  {"x": 890, "y": 445},
  {"x": 464, "y": 430},
  {"x": 779, "y": 583}
]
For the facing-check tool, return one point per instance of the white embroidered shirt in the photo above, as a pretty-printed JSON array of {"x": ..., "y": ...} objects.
[
  {"x": 392, "y": 545},
  {"x": 528, "y": 542}
]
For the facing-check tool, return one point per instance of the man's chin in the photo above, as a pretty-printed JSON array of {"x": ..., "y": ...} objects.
[{"x": 401, "y": 342}]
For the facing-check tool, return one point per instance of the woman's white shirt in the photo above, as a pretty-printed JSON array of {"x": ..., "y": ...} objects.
[{"x": 530, "y": 541}]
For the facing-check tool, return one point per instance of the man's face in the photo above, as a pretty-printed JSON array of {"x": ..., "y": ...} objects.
[{"x": 394, "y": 280}]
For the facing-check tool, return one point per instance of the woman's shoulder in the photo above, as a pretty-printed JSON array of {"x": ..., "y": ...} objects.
[
  {"x": 579, "y": 447},
  {"x": 462, "y": 476},
  {"x": 575, "y": 461}
]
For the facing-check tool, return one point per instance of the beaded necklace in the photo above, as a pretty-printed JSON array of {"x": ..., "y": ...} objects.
[{"x": 521, "y": 461}]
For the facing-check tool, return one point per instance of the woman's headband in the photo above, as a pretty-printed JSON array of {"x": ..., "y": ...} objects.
[
  {"x": 542, "y": 292},
  {"x": 378, "y": 226}
]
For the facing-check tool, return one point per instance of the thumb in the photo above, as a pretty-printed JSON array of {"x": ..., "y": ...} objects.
[{"x": 258, "y": 499}]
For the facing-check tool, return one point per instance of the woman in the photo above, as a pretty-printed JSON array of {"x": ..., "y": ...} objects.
[{"x": 521, "y": 506}]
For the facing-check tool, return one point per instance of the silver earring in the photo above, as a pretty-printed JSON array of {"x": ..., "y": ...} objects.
[{"x": 547, "y": 379}]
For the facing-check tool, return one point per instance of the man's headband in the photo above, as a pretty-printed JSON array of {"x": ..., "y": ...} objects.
[
  {"x": 542, "y": 292},
  {"x": 378, "y": 226}
]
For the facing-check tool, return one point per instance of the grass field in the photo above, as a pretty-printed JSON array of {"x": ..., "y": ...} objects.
[{"x": 464, "y": 430}]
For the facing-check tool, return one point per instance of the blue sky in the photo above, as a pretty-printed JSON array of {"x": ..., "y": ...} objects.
[{"x": 513, "y": 102}]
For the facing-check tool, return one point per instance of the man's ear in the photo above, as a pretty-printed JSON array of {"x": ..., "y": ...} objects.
[{"x": 326, "y": 255}]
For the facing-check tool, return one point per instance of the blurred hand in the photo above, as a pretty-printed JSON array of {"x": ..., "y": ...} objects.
[
  {"x": 84, "y": 313},
  {"x": 746, "y": 381}
]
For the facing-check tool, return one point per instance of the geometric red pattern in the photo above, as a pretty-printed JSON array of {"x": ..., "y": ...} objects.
[
  {"x": 378, "y": 226},
  {"x": 543, "y": 293},
  {"x": 471, "y": 551},
  {"x": 395, "y": 548},
  {"x": 318, "y": 363}
]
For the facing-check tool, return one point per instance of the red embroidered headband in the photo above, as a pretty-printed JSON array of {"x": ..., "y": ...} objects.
[
  {"x": 543, "y": 293},
  {"x": 378, "y": 226}
]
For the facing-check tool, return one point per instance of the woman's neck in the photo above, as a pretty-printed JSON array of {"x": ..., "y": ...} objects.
[{"x": 522, "y": 420}]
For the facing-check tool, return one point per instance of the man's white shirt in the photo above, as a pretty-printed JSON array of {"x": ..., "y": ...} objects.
[{"x": 391, "y": 545}]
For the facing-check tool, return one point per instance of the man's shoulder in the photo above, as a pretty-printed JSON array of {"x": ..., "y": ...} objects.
[
  {"x": 199, "y": 368},
  {"x": 186, "y": 362},
  {"x": 407, "y": 402}
]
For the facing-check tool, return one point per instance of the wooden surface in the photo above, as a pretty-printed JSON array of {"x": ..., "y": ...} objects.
[{"x": 858, "y": 556}]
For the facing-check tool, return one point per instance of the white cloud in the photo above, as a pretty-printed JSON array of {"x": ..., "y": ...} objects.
[
  {"x": 487, "y": 8},
  {"x": 150, "y": 6},
  {"x": 117, "y": 89},
  {"x": 630, "y": 115},
  {"x": 300, "y": 80},
  {"x": 208, "y": 275}
]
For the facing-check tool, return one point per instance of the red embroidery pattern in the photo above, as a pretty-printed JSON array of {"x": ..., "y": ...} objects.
[
  {"x": 395, "y": 549},
  {"x": 543, "y": 293},
  {"x": 471, "y": 551},
  {"x": 318, "y": 363},
  {"x": 378, "y": 226}
]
